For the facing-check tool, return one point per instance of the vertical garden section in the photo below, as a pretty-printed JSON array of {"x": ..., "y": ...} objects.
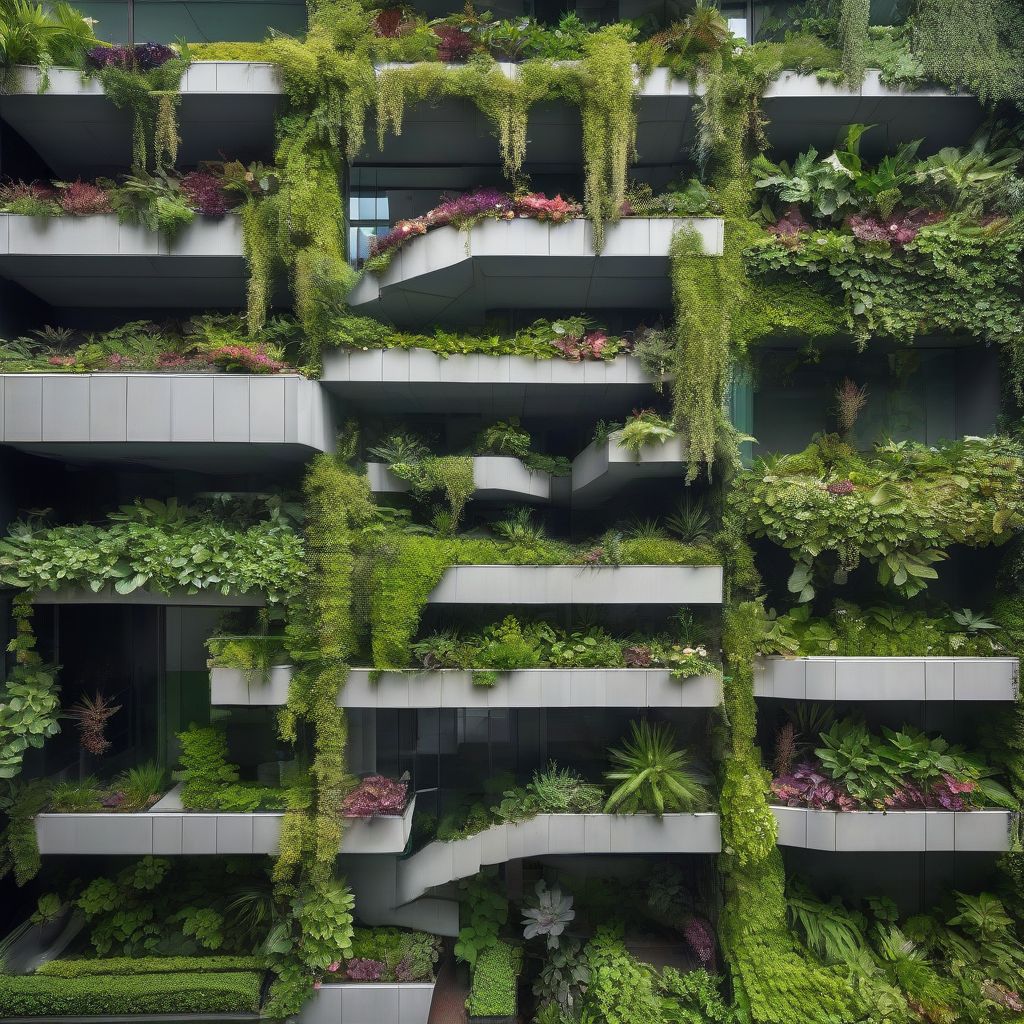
[{"x": 316, "y": 906}]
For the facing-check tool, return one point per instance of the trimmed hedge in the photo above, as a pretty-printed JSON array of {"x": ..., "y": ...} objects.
[
  {"x": 178, "y": 993},
  {"x": 127, "y": 965},
  {"x": 493, "y": 990}
]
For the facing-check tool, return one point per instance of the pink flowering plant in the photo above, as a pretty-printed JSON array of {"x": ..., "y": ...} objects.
[
  {"x": 464, "y": 212},
  {"x": 855, "y": 769},
  {"x": 376, "y": 796}
]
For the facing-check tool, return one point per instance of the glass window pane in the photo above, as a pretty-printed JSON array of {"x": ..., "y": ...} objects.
[
  {"x": 353, "y": 208},
  {"x": 382, "y": 210},
  {"x": 367, "y": 207}
]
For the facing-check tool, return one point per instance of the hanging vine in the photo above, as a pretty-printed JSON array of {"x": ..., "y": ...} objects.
[
  {"x": 854, "y": 17},
  {"x": 317, "y": 907}
]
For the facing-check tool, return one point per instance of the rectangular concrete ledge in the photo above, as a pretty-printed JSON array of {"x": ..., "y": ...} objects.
[
  {"x": 457, "y": 276},
  {"x": 163, "y": 416},
  {"x": 421, "y": 381},
  {"x": 225, "y": 107},
  {"x": 894, "y": 831},
  {"x": 601, "y": 469},
  {"x": 98, "y": 261},
  {"x": 495, "y": 478},
  {"x": 553, "y": 835},
  {"x": 368, "y": 1003},
  {"x": 204, "y": 599},
  {"x": 579, "y": 584},
  {"x": 453, "y": 688},
  {"x": 170, "y": 832},
  {"x": 859, "y": 679}
]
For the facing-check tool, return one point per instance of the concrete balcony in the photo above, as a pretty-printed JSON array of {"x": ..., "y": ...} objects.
[
  {"x": 601, "y": 469},
  {"x": 861, "y": 679},
  {"x": 230, "y": 107},
  {"x": 204, "y": 599},
  {"x": 579, "y": 584},
  {"x": 457, "y": 277},
  {"x": 168, "y": 830},
  {"x": 555, "y": 835},
  {"x": 96, "y": 261},
  {"x": 454, "y": 688},
  {"x": 412, "y": 381},
  {"x": 894, "y": 831},
  {"x": 225, "y": 107},
  {"x": 368, "y": 1003},
  {"x": 495, "y": 478},
  {"x": 197, "y": 421}
]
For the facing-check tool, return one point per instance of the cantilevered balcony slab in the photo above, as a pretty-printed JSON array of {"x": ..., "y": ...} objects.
[
  {"x": 894, "y": 831},
  {"x": 457, "y": 276},
  {"x": 226, "y": 107},
  {"x": 204, "y": 599},
  {"x": 555, "y": 835},
  {"x": 601, "y": 469},
  {"x": 97, "y": 261},
  {"x": 579, "y": 584},
  {"x": 804, "y": 112},
  {"x": 211, "y": 421},
  {"x": 453, "y": 688},
  {"x": 408, "y": 381},
  {"x": 861, "y": 679},
  {"x": 167, "y": 830},
  {"x": 495, "y": 478}
]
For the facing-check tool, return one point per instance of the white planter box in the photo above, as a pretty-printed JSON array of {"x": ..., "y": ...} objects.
[
  {"x": 599, "y": 470},
  {"x": 453, "y": 688},
  {"x": 893, "y": 831},
  {"x": 556, "y": 834},
  {"x": 128, "y": 414},
  {"x": 528, "y": 264},
  {"x": 369, "y": 1003},
  {"x": 96, "y": 261},
  {"x": 495, "y": 478},
  {"x": 575, "y": 584},
  {"x": 916, "y": 679},
  {"x": 167, "y": 831}
]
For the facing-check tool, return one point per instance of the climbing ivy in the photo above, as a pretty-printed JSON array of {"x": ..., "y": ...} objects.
[{"x": 321, "y": 639}]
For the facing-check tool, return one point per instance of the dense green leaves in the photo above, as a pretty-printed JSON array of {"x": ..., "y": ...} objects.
[{"x": 899, "y": 510}]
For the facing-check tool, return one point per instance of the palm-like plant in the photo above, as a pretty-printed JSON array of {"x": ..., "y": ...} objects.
[
  {"x": 691, "y": 522},
  {"x": 650, "y": 773}
]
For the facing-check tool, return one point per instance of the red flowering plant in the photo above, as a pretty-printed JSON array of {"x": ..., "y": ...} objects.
[
  {"x": 254, "y": 358},
  {"x": 364, "y": 969},
  {"x": 31, "y": 198},
  {"x": 807, "y": 786},
  {"x": 81, "y": 199},
  {"x": 204, "y": 192},
  {"x": 465, "y": 211},
  {"x": 376, "y": 795},
  {"x": 455, "y": 45},
  {"x": 898, "y": 229}
]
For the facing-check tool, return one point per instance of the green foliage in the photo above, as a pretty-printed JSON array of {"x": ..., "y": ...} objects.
[
  {"x": 900, "y": 509},
  {"x": 692, "y": 998},
  {"x": 46, "y": 36},
  {"x": 977, "y": 45},
  {"x": 483, "y": 911},
  {"x": 853, "y": 36},
  {"x": 322, "y": 635},
  {"x": 645, "y": 428},
  {"x": 407, "y": 956},
  {"x": 879, "y": 631},
  {"x": 651, "y": 774},
  {"x": 29, "y": 705},
  {"x": 189, "y": 992},
  {"x": 621, "y": 989},
  {"x": 211, "y": 783},
  {"x": 948, "y": 279},
  {"x": 492, "y": 990},
  {"x": 152, "y": 97},
  {"x": 123, "y": 965},
  {"x": 164, "y": 548},
  {"x": 19, "y": 850},
  {"x": 538, "y": 341}
]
